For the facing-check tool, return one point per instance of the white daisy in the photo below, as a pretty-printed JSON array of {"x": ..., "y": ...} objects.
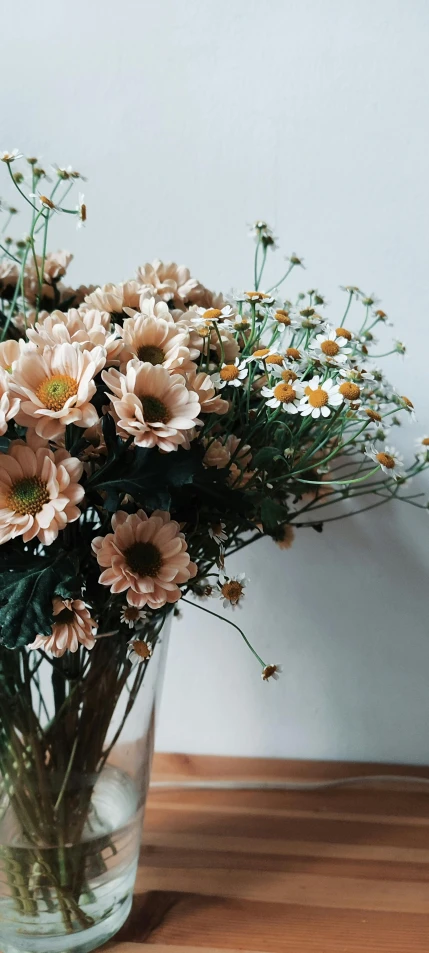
[
  {"x": 262, "y": 232},
  {"x": 271, "y": 671},
  {"x": 81, "y": 210},
  {"x": 217, "y": 532},
  {"x": 308, "y": 318},
  {"x": 138, "y": 651},
  {"x": 231, "y": 374},
  {"x": 331, "y": 347},
  {"x": 422, "y": 447},
  {"x": 231, "y": 589},
  {"x": 320, "y": 398},
  {"x": 286, "y": 395},
  {"x": 130, "y": 615},
  {"x": 356, "y": 374},
  {"x": 225, "y": 316},
  {"x": 390, "y": 461},
  {"x": 44, "y": 200},
  {"x": 407, "y": 404},
  {"x": 10, "y": 156}
]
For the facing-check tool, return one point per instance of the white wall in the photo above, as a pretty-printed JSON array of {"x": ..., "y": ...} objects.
[{"x": 191, "y": 119}]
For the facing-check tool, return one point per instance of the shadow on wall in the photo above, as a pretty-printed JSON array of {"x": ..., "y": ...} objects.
[{"x": 346, "y": 614}]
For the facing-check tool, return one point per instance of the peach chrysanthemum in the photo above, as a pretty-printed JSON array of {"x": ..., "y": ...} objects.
[
  {"x": 9, "y": 353},
  {"x": 73, "y": 627},
  {"x": 9, "y": 406},
  {"x": 9, "y": 275},
  {"x": 155, "y": 341},
  {"x": 56, "y": 386},
  {"x": 89, "y": 329},
  {"x": 203, "y": 386},
  {"x": 216, "y": 455},
  {"x": 146, "y": 557},
  {"x": 205, "y": 298},
  {"x": 169, "y": 281},
  {"x": 152, "y": 405},
  {"x": 23, "y": 321},
  {"x": 113, "y": 298},
  {"x": 39, "y": 490},
  {"x": 54, "y": 268}
]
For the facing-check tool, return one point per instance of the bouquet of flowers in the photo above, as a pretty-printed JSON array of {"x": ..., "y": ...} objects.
[{"x": 148, "y": 429}]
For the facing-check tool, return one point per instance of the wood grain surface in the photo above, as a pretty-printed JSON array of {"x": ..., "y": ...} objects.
[{"x": 338, "y": 871}]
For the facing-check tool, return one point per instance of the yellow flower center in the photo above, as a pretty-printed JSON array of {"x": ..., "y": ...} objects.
[
  {"x": 256, "y": 295},
  {"x": 212, "y": 314},
  {"x": 28, "y": 496},
  {"x": 132, "y": 613},
  {"x": 144, "y": 559},
  {"x": 282, "y": 317},
  {"x": 408, "y": 402},
  {"x": 344, "y": 333},
  {"x": 261, "y": 352},
  {"x": 229, "y": 372},
  {"x": 285, "y": 393},
  {"x": 425, "y": 442},
  {"x": 232, "y": 590},
  {"x": 204, "y": 330},
  {"x": 289, "y": 376},
  {"x": 151, "y": 354},
  {"x": 373, "y": 415},
  {"x": 330, "y": 348},
  {"x": 386, "y": 460},
  {"x": 154, "y": 410},
  {"x": 349, "y": 390},
  {"x": 293, "y": 353},
  {"x": 274, "y": 359},
  {"x": 55, "y": 391},
  {"x": 141, "y": 649},
  {"x": 318, "y": 397}
]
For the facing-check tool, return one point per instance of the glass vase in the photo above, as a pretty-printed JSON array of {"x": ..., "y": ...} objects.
[{"x": 76, "y": 744}]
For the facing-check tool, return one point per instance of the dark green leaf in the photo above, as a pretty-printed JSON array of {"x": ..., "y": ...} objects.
[
  {"x": 147, "y": 475},
  {"x": 272, "y": 513},
  {"x": 28, "y": 595},
  {"x": 264, "y": 457}
]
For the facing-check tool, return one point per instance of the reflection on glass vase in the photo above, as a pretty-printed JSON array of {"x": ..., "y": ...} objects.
[{"x": 76, "y": 744}]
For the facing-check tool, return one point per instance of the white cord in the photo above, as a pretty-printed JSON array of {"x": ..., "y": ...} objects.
[{"x": 237, "y": 785}]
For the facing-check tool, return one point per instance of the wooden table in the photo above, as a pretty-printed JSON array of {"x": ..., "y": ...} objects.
[{"x": 338, "y": 871}]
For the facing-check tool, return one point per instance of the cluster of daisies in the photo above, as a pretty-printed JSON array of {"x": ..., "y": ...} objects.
[{"x": 268, "y": 392}]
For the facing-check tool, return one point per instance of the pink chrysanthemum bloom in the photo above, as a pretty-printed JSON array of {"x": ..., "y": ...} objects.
[
  {"x": 39, "y": 490},
  {"x": 152, "y": 405},
  {"x": 113, "y": 298},
  {"x": 146, "y": 557},
  {"x": 9, "y": 275},
  {"x": 9, "y": 353},
  {"x": 169, "y": 281},
  {"x": 89, "y": 329},
  {"x": 204, "y": 298},
  {"x": 153, "y": 308},
  {"x": 9, "y": 406},
  {"x": 155, "y": 341},
  {"x": 73, "y": 627},
  {"x": 217, "y": 455},
  {"x": 203, "y": 386},
  {"x": 56, "y": 386}
]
